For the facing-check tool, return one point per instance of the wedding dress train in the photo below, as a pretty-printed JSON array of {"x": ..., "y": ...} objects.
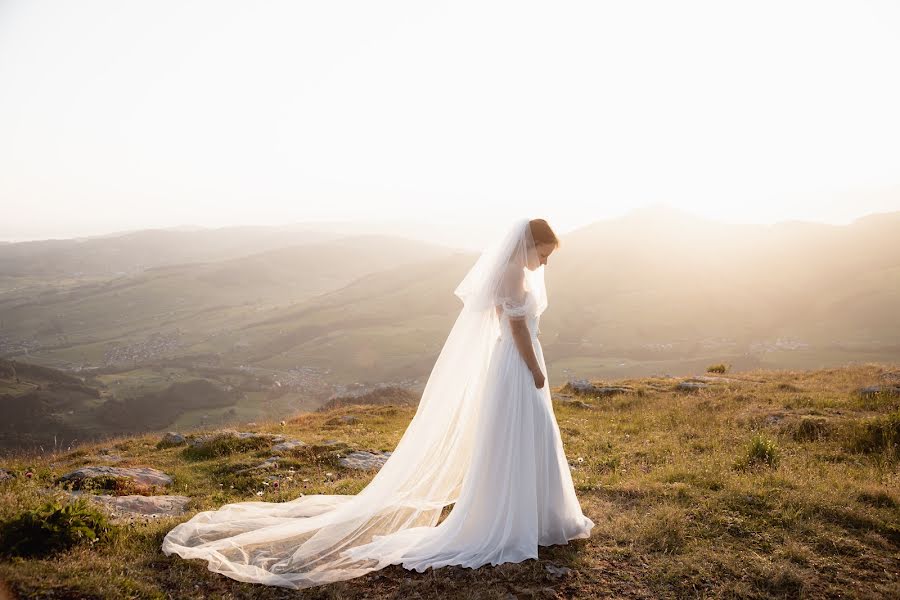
[
  {"x": 518, "y": 493},
  {"x": 483, "y": 439}
]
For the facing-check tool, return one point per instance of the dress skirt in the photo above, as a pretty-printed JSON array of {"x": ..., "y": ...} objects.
[{"x": 518, "y": 493}]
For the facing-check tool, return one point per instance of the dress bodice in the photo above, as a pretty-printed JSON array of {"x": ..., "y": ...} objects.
[
  {"x": 533, "y": 324},
  {"x": 532, "y": 319}
]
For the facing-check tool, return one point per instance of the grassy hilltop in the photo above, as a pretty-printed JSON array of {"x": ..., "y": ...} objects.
[{"x": 754, "y": 484}]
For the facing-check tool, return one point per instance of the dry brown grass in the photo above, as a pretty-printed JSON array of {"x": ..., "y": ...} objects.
[{"x": 679, "y": 511}]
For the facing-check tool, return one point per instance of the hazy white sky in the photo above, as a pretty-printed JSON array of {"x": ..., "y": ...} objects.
[{"x": 124, "y": 115}]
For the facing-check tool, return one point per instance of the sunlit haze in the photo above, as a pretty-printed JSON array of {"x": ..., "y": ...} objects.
[{"x": 130, "y": 115}]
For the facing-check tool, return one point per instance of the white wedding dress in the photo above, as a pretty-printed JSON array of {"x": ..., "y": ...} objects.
[
  {"x": 518, "y": 493},
  {"x": 483, "y": 439}
]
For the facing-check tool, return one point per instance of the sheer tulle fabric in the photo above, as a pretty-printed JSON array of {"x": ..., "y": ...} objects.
[{"x": 483, "y": 437}]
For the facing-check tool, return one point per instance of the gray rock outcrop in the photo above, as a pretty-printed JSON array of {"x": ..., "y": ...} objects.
[
  {"x": 134, "y": 507},
  {"x": 871, "y": 391},
  {"x": 287, "y": 446},
  {"x": 690, "y": 386},
  {"x": 363, "y": 460},
  {"x": 139, "y": 477},
  {"x": 583, "y": 387},
  {"x": 171, "y": 439}
]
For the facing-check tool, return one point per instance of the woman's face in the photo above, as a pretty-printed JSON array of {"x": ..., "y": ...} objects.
[{"x": 539, "y": 255}]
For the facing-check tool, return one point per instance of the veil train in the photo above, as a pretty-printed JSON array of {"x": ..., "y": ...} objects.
[{"x": 301, "y": 543}]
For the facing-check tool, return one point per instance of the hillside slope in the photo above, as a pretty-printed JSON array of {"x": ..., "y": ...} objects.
[
  {"x": 643, "y": 294},
  {"x": 753, "y": 484},
  {"x": 654, "y": 291},
  {"x": 195, "y": 306}
]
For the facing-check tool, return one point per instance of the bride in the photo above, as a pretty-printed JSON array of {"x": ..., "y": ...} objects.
[{"x": 484, "y": 439}]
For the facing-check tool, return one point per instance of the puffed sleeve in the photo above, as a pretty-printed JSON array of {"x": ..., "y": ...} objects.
[{"x": 510, "y": 296}]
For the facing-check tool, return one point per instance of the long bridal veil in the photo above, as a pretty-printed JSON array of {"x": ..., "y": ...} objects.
[{"x": 301, "y": 543}]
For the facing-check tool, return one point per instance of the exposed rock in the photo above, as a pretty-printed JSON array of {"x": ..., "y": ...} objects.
[
  {"x": 139, "y": 478},
  {"x": 128, "y": 508},
  {"x": 113, "y": 458},
  {"x": 330, "y": 445},
  {"x": 875, "y": 390},
  {"x": 690, "y": 386},
  {"x": 171, "y": 439},
  {"x": 198, "y": 440},
  {"x": 717, "y": 378},
  {"x": 342, "y": 420},
  {"x": 269, "y": 463},
  {"x": 580, "y": 404},
  {"x": 287, "y": 446},
  {"x": 555, "y": 571},
  {"x": 583, "y": 387},
  {"x": 364, "y": 460}
]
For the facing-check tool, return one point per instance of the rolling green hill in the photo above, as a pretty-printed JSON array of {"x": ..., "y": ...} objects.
[
  {"x": 135, "y": 251},
  {"x": 655, "y": 292},
  {"x": 649, "y": 293},
  {"x": 165, "y": 311}
]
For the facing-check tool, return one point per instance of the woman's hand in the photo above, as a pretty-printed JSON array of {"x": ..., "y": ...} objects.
[{"x": 539, "y": 378}]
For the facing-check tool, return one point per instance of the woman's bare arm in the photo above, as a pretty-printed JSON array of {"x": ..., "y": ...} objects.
[{"x": 526, "y": 349}]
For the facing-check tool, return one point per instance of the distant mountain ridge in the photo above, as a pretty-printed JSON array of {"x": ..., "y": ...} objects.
[{"x": 656, "y": 290}]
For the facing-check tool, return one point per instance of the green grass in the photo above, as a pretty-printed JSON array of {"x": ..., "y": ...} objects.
[
  {"x": 811, "y": 511},
  {"x": 52, "y": 528}
]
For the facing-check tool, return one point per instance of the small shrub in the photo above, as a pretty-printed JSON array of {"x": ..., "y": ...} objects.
[
  {"x": 242, "y": 482},
  {"x": 787, "y": 387},
  {"x": 876, "y": 435},
  {"x": 877, "y": 497},
  {"x": 225, "y": 444},
  {"x": 761, "y": 451},
  {"x": 53, "y": 527},
  {"x": 118, "y": 486},
  {"x": 609, "y": 464},
  {"x": 810, "y": 429},
  {"x": 777, "y": 580},
  {"x": 719, "y": 368}
]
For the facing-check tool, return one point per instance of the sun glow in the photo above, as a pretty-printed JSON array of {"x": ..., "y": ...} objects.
[{"x": 128, "y": 115}]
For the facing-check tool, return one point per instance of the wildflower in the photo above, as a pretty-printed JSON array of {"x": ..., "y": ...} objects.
[
  {"x": 29, "y": 474},
  {"x": 259, "y": 493},
  {"x": 580, "y": 459},
  {"x": 275, "y": 485}
]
